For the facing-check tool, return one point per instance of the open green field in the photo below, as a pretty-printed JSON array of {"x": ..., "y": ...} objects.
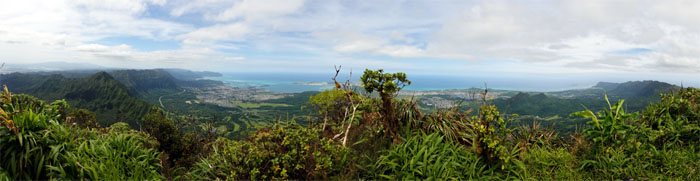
[{"x": 257, "y": 105}]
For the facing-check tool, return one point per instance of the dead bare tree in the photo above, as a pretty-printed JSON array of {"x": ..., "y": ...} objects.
[
  {"x": 337, "y": 86},
  {"x": 337, "y": 70},
  {"x": 347, "y": 88},
  {"x": 352, "y": 118}
]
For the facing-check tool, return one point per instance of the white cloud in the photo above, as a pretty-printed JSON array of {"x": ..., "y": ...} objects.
[
  {"x": 399, "y": 36},
  {"x": 252, "y": 10},
  {"x": 220, "y": 32},
  {"x": 130, "y": 7},
  {"x": 401, "y": 51},
  {"x": 349, "y": 41},
  {"x": 574, "y": 34},
  {"x": 536, "y": 36}
]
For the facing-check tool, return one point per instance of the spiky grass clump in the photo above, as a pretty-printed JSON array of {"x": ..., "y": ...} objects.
[
  {"x": 37, "y": 146},
  {"x": 427, "y": 156}
]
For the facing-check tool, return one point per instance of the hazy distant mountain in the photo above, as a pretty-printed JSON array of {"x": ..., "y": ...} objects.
[
  {"x": 606, "y": 85},
  {"x": 183, "y": 74},
  {"x": 647, "y": 88}
]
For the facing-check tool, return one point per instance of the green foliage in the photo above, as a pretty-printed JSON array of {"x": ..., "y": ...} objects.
[
  {"x": 490, "y": 138},
  {"x": 328, "y": 100},
  {"x": 21, "y": 137},
  {"x": 675, "y": 120},
  {"x": 84, "y": 118},
  {"x": 427, "y": 156},
  {"x": 534, "y": 135},
  {"x": 451, "y": 124},
  {"x": 332, "y": 104},
  {"x": 171, "y": 141},
  {"x": 35, "y": 146},
  {"x": 626, "y": 152},
  {"x": 39, "y": 141},
  {"x": 545, "y": 163},
  {"x": 283, "y": 151},
  {"x": 4, "y": 176},
  {"x": 649, "y": 163},
  {"x": 110, "y": 156},
  {"x": 100, "y": 93},
  {"x": 386, "y": 84},
  {"x": 119, "y": 127},
  {"x": 608, "y": 127}
]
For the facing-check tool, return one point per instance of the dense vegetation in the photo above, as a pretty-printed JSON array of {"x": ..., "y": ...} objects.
[
  {"x": 553, "y": 108},
  {"x": 481, "y": 144},
  {"x": 100, "y": 93},
  {"x": 40, "y": 142},
  {"x": 353, "y": 134}
]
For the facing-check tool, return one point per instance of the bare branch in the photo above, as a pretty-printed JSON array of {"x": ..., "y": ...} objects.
[{"x": 337, "y": 70}]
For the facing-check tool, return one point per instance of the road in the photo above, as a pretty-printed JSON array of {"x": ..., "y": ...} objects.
[{"x": 160, "y": 99}]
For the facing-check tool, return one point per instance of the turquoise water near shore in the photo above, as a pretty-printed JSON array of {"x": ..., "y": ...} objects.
[{"x": 300, "y": 82}]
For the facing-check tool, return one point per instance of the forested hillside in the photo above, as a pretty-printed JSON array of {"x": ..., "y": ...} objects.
[
  {"x": 553, "y": 108},
  {"x": 111, "y": 100},
  {"x": 143, "y": 81},
  {"x": 125, "y": 95}
]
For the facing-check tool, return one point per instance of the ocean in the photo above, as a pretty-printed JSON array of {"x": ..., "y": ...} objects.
[{"x": 300, "y": 82}]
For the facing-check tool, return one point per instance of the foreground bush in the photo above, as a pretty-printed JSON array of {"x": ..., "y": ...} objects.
[
  {"x": 37, "y": 146},
  {"x": 108, "y": 156},
  {"x": 427, "y": 156},
  {"x": 659, "y": 144},
  {"x": 675, "y": 120},
  {"x": 282, "y": 151},
  {"x": 545, "y": 163}
]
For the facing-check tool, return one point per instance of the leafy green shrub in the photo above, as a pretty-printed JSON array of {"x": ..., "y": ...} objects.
[
  {"x": 163, "y": 129},
  {"x": 35, "y": 146},
  {"x": 84, "y": 118},
  {"x": 119, "y": 127},
  {"x": 386, "y": 84},
  {"x": 544, "y": 163},
  {"x": 608, "y": 127},
  {"x": 625, "y": 145},
  {"x": 490, "y": 138},
  {"x": 111, "y": 156},
  {"x": 282, "y": 151},
  {"x": 533, "y": 135},
  {"x": 22, "y": 137},
  {"x": 330, "y": 104},
  {"x": 612, "y": 163},
  {"x": 675, "y": 120},
  {"x": 452, "y": 123},
  {"x": 427, "y": 156},
  {"x": 27, "y": 101},
  {"x": 678, "y": 163}
]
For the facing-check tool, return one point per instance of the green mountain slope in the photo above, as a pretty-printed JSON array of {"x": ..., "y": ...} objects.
[
  {"x": 111, "y": 100},
  {"x": 143, "y": 81},
  {"x": 555, "y": 107}
]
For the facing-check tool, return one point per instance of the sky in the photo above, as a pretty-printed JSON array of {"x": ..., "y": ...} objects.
[{"x": 643, "y": 39}]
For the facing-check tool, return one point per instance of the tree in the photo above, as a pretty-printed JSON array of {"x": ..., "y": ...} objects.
[
  {"x": 329, "y": 104},
  {"x": 387, "y": 85},
  {"x": 163, "y": 129},
  {"x": 84, "y": 118}
]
